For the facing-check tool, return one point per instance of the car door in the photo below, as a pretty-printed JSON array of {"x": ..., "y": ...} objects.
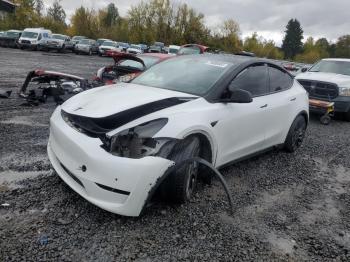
[
  {"x": 241, "y": 131},
  {"x": 280, "y": 105}
]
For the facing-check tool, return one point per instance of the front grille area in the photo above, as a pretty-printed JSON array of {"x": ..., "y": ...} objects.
[
  {"x": 25, "y": 42},
  {"x": 320, "y": 90}
]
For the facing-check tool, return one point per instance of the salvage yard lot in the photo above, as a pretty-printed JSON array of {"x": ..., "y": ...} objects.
[{"x": 287, "y": 206}]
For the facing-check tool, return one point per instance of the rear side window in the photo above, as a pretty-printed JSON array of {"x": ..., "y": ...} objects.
[
  {"x": 253, "y": 79},
  {"x": 279, "y": 80}
]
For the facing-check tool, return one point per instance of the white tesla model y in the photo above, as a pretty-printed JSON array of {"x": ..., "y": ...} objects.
[{"x": 113, "y": 144}]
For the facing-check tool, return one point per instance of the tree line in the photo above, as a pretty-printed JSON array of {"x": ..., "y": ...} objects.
[{"x": 171, "y": 23}]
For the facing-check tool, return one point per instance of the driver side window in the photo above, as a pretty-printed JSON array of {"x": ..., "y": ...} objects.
[{"x": 253, "y": 79}]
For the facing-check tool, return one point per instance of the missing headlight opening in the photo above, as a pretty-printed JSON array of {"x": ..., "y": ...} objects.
[{"x": 137, "y": 142}]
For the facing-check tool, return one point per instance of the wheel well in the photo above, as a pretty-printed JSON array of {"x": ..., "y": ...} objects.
[
  {"x": 305, "y": 115},
  {"x": 205, "y": 150}
]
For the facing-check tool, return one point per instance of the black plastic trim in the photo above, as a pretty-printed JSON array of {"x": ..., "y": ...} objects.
[{"x": 114, "y": 190}]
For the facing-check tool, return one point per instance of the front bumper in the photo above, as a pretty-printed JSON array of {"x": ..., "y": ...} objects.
[
  {"x": 27, "y": 45},
  {"x": 82, "y": 50},
  {"x": 116, "y": 184},
  {"x": 342, "y": 104}
]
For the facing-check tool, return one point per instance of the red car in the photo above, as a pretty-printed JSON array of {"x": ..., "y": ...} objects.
[
  {"x": 128, "y": 66},
  {"x": 193, "y": 49}
]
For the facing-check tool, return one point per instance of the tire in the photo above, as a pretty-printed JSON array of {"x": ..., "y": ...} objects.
[
  {"x": 180, "y": 185},
  {"x": 295, "y": 135},
  {"x": 325, "y": 120}
]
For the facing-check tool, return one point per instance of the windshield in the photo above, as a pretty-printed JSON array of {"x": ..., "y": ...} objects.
[
  {"x": 188, "y": 75},
  {"x": 28, "y": 34},
  {"x": 190, "y": 50},
  {"x": 135, "y": 47},
  {"x": 108, "y": 43},
  {"x": 76, "y": 38},
  {"x": 84, "y": 42},
  {"x": 101, "y": 41},
  {"x": 329, "y": 66},
  {"x": 11, "y": 34},
  {"x": 61, "y": 37}
]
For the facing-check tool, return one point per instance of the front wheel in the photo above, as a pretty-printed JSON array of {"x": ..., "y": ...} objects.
[
  {"x": 296, "y": 134},
  {"x": 180, "y": 185}
]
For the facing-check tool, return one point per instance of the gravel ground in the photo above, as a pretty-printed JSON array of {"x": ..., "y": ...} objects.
[{"x": 288, "y": 207}]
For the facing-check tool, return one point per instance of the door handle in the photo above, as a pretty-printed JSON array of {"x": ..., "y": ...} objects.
[
  {"x": 264, "y": 106},
  {"x": 293, "y": 99}
]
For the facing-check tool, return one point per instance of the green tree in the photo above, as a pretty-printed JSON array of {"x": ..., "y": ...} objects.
[
  {"x": 56, "y": 12},
  {"x": 292, "y": 42},
  {"x": 343, "y": 47},
  {"x": 262, "y": 47},
  {"x": 109, "y": 16}
]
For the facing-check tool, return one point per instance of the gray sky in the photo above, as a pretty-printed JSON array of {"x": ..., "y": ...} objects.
[{"x": 319, "y": 18}]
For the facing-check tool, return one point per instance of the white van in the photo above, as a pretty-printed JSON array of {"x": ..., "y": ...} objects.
[{"x": 34, "y": 38}]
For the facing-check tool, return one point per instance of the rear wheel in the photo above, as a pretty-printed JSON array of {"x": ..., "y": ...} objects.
[
  {"x": 180, "y": 185},
  {"x": 296, "y": 134}
]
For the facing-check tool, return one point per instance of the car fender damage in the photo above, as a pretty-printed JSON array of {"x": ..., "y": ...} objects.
[{"x": 176, "y": 166}]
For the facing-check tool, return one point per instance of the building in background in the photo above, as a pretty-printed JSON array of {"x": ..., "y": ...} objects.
[{"x": 6, "y": 7}]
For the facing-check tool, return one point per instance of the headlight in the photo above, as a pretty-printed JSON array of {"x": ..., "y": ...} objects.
[
  {"x": 34, "y": 41},
  {"x": 344, "y": 91},
  {"x": 137, "y": 142}
]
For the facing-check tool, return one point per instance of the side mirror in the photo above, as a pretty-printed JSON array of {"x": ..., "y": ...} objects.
[
  {"x": 239, "y": 96},
  {"x": 304, "y": 69}
]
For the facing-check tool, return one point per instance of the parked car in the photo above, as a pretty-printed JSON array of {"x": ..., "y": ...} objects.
[
  {"x": 77, "y": 38},
  {"x": 144, "y": 48},
  {"x": 113, "y": 145},
  {"x": 329, "y": 80},
  {"x": 10, "y": 38},
  {"x": 58, "y": 42},
  {"x": 33, "y": 37},
  {"x": 123, "y": 46},
  {"x": 100, "y": 41},
  {"x": 108, "y": 46},
  {"x": 155, "y": 49},
  {"x": 127, "y": 66},
  {"x": 173, "y": 49},
  {"x": 134, "y": 49},
  {"x": 86, "y": 46},
  {"x": 192, "y": 49}
]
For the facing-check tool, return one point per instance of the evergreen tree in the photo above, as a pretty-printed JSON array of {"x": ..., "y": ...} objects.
[{"x": 292, "y": 44}]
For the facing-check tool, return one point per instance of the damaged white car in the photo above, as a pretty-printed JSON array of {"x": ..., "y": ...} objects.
[{"x": 113, "y": 145}]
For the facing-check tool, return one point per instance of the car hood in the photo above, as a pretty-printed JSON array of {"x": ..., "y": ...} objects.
[
  {"x": 55, "y": 40},
  {"x": 340, "y": 80},
  {"x": 108, "y": 100}
]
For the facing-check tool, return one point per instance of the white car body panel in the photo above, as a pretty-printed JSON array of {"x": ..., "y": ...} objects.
[{"x": 234, "y": 131}]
